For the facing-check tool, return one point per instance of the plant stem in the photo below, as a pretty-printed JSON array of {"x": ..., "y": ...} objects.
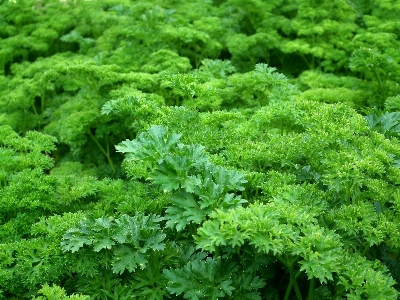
[
  {"x": 381, "y": 84},
  {"x": 293, "y": 282},
  {"x": 348, "y": 193},
  {"x": 282, "y": 260},
  {"x": 306, "y": 60},
  {"x": 24, "y": 122},
  {"x": 259, "y": 166},
  {"x": 311, "y": 289},
  {"x": 288, "y": 290},
  {"x": 42, "y": 99},
  {"x": 217, "y": 252},
  {"x": 95, "y": 140},
  {"x": 365, "y": 250},
  {"x": 34, "y": 109},
  {"x": 293, "y": 279},
  {"x": 107, "y": 147},
  {"x": 290, "y": 285}
]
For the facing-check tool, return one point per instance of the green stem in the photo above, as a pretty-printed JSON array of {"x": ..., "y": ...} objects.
[
  {"x": 34, "y": 109},
  {"x": 107, "y": 147},
  {"x": 288, "y": 290},
  {"x": 293, "y": 279},
  {"x": 95, "y": 140},
  {"x": 259, "y": 166},
  {"x": 289, "y": 287},
  {"x": 36, "y": 114},
  {"x": 24, "y": 122},
  {"x": 217, "y": 252},
  {"x": 311, "y": 289},
  {"x": 306, "y": 60},
  {"x": 365, "y": 250},
  {"x": 381, "y": 83},
  {"x": 282, "y": 260},
  {"x": 42, "y": 99},
  {"x": 378, "y": 78},
  {"x": 293, "y": 282},
  {"x": 348, "y": 193}
]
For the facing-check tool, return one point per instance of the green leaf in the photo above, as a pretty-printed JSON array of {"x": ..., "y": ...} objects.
[
  {"x": 185, "y": 210},
  {"x": 151, "y": 146},
  {"x": 129, "y": 239},
  {"x": 201, "y": 279},
  {"x": 75, "y": 238},
  {"x": 126, "y": 258}
]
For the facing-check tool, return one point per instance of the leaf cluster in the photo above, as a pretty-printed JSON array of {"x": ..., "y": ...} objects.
[{"x": 231, "y": 180}]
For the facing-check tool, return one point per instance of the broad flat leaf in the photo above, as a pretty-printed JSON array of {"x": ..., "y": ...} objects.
[
  {"x": 191, "y": 183},
  {"x": 103, "y": 222},
  {"x": 155, "y": 242},
  {"x": 103, "y": 243},
  {"x": 210, "y": 236},
  {"x": 73, "y": 240},
  {"x": 128, "y": 146},
  {"x": 126, "y": 258},
  {"x": 166, "y": 178},
  {"x": 185, "y": 210},
  {"x": 175, "y": 218},
  {"x": 199, "y": 279}
]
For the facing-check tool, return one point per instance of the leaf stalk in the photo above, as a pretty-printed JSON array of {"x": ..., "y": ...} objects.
[{"x": 106, "y": 153}]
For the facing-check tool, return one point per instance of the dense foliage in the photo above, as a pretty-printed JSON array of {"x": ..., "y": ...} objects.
[{"x": 187, "y": 149}]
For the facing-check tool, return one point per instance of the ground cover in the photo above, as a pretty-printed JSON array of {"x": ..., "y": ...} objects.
[{"x": 199, "y": 149}]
